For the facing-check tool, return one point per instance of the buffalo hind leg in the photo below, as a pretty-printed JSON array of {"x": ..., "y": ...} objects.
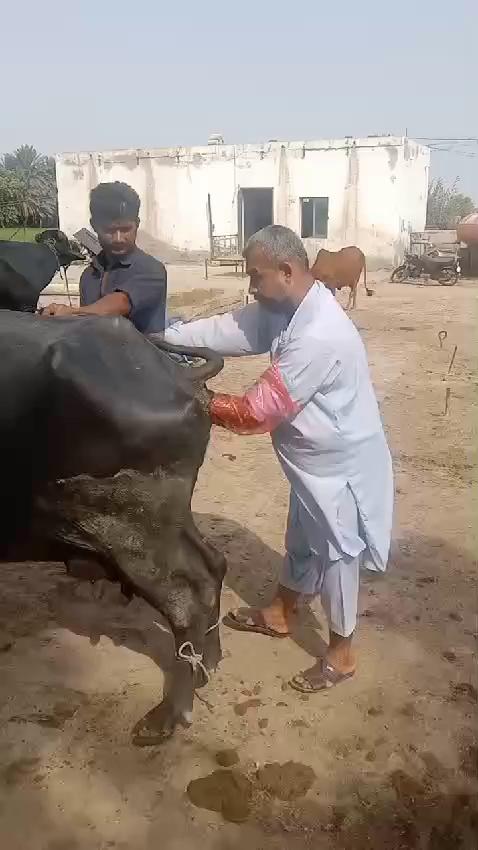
[
  {"x": 216, "y": 566},
  {"x": 180, "y": 682},
  {"x": 212, "y": 641},
  {"x": 192, "y": 608}
]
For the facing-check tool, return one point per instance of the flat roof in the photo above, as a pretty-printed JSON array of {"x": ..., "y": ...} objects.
[{"x": 230, "y": 149}]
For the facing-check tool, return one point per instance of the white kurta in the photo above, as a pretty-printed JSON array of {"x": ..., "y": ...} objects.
[{"x": 335, "y": 444}]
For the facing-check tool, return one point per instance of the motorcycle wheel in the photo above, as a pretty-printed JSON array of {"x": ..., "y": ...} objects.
[
  {"x": 400, "y": 274},
  {"x": 448, "y": 277}
]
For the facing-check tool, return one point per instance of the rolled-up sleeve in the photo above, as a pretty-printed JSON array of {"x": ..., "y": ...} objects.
[{"x": 248, "y": 330}]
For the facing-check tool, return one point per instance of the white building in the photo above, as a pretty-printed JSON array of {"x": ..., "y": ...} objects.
[{"x": 367, "y": 192}]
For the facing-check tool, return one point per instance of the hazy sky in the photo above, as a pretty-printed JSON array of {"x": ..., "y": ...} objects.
[{"x": 152, "y": 73}]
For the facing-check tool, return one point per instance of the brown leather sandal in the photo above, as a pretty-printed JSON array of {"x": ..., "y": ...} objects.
[
  {"x": 318, "y": 678},
  {"x": 251, "y": 620}
]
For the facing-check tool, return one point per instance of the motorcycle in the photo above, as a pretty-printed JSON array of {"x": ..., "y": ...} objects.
[{"x": 445, "y": 270}]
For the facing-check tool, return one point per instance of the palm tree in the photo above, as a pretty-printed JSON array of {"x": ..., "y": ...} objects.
[
  {"x": 35, "y": 173},
  {"x": 10, "y": 190}
]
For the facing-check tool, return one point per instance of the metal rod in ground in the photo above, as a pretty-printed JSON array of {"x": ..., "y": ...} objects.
[
  {"x": 442, "y": 335},
  {"x": 447, "y": 399},
  {"x": 452, "y": 358}
]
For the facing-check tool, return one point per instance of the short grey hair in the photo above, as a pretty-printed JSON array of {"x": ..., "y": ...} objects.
[{"x": 279, "y": 244}]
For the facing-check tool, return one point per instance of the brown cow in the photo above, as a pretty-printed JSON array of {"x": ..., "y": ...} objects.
[{"x": 341, "y": 268}]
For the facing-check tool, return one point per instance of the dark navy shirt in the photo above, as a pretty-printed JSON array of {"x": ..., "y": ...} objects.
[{"x": 142, "y": 278}]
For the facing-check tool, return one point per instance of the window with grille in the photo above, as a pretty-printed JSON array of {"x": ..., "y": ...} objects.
[{"x": 314, "y": 216}]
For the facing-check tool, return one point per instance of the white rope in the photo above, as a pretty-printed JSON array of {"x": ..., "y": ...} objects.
[
  {"x": 155, "y": 622},
  {"x": 161, "y": 627},
  {"x": 194, "y": 658}
]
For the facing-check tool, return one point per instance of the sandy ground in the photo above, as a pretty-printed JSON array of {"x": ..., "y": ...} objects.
[
  {"x": 394, "y": 751},
  {"x": 182, "y": 278}
]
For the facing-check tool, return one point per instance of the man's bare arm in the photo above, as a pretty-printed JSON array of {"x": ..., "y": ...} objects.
[{"x": 114, "y": 304}]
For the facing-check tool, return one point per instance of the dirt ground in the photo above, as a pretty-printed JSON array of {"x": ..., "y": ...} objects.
[
  {"x": 183, "y": 279},
  {"x": 394, "y": 752}
]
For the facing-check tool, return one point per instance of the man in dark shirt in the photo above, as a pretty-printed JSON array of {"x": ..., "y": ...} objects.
[{"x": 122, "y": 280}]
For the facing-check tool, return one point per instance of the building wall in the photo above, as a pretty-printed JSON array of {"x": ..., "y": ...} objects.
[{"x": 377, "y": 189}]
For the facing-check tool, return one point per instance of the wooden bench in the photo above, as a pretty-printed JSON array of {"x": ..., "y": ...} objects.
[
  {"x": 225, "y": 252},
  {"x": 225, "y": 261}
]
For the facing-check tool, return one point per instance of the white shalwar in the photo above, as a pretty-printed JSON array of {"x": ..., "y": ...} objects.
[{"x": 328, "y": 436}]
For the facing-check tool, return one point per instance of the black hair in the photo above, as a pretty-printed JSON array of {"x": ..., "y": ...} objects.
[{"x": 114, "y": 202}]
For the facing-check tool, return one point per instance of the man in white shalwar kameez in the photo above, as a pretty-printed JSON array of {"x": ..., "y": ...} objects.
[{"x": 317, "y": 401}]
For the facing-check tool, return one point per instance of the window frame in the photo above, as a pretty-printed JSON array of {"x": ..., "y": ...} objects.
[{"x": 313, "y": 199}]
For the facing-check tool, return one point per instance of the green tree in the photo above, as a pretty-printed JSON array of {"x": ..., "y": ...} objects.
[
  {"x": 10, "y": 195},
  {"x": 35, "y": 176},
  {"x": 446, "y": 205}
]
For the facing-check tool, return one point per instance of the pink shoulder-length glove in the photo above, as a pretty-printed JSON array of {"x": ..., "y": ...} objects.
[{"x": 260, "y": 410}]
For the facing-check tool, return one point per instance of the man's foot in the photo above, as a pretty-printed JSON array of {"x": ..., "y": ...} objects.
[
  {"x": 340, "y": 654},
  {"x": 272, "y": 620},
  {"x": 258, "y": 620},
  {"x": 319, "y": 677}
]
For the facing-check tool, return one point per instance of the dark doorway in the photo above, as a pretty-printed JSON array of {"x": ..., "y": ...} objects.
[{"x": 255, "y": 211}]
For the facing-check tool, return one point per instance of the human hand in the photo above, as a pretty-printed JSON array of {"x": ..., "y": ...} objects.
[{"x": 57, "y": 310}]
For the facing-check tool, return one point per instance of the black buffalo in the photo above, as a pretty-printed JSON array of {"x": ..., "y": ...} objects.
[
  {"x": 102, "y": 435},
  {"x": 26, "y": 268}
]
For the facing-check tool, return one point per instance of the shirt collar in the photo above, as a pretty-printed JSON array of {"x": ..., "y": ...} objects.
[
  {"x": 99, "y": 262},
  {"x": 306, "y": 306}
]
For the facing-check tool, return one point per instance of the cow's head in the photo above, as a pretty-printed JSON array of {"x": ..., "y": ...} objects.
[{"x": 58, "y": 241}]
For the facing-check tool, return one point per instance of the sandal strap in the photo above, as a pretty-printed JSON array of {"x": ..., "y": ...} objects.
[{"x": 327, "y": 677}]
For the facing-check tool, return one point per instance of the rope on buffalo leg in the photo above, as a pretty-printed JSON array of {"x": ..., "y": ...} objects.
[
  {"x": 193, "y": 658},
  {"x": 161, "y": 627},
  {"x": 168, "y": 631}
]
